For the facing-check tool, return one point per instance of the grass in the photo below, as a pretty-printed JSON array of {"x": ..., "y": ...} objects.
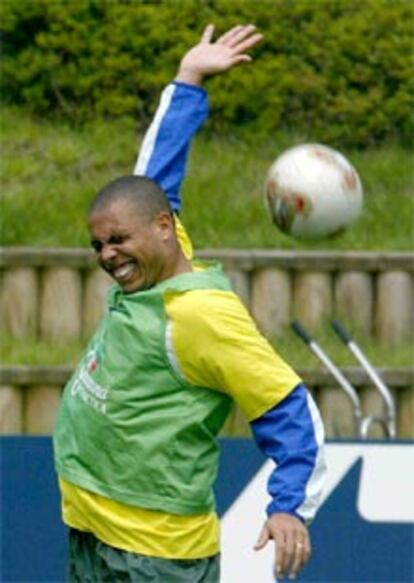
[
  {"x": 294, "y": 351},
  {"x": 39, "y": 352},
  {"x": 30, "y": 351},
  {"x": 50, "y": 171},
  {"x": 236, "y": 216}
]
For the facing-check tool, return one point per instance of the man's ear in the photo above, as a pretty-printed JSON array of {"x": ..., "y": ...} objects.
[{"x": 164, "y": 221}]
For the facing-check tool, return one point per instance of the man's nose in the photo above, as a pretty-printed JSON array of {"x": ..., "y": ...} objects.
[{"x": 108, "y": 253}]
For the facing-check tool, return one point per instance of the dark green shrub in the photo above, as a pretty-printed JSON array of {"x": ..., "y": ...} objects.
[{"x": 337, "y": 71}]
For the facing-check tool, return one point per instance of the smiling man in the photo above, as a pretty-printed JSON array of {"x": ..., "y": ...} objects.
[{"x": 135, "y": 443}]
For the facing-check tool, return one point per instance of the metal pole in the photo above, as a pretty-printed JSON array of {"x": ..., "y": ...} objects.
[
  {"x": 373, "y": 375},
  {"x": 334, "y": 370}
]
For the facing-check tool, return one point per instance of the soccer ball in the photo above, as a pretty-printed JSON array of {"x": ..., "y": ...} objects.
[{"x": 312, "y": 191}]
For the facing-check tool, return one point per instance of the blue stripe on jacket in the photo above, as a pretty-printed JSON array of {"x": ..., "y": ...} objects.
[
  {"x": 164, "y": 151},
  {"x": 291, "y": 435}
]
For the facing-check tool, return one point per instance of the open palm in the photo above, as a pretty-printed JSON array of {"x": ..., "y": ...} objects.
[{"x": 210, "y": 58}]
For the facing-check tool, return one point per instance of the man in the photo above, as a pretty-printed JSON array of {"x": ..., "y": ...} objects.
[{"x": 135, "y": 442}]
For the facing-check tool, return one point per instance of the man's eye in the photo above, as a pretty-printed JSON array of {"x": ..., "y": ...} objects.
[
  {"x": 96, "y": 246},
  {"x": 116, "y": 240}
]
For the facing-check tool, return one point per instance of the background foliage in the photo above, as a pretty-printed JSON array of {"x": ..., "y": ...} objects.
[
  {"x": 336, "y": 71},
  {"x": 49, "y": 171}
]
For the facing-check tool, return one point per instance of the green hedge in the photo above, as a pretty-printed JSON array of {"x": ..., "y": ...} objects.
[{"x": 337, "y": 71}]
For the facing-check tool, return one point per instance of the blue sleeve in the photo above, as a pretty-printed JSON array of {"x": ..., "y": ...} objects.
[
  {"x": 164, "y": 151},
  {"x": 292, "y": 435}
]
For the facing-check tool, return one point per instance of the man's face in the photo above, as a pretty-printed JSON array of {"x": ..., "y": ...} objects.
[{"x": 134, "y": 250}]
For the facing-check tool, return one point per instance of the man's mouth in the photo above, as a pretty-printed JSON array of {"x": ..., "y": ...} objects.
[{"x": 124, "y": 271}]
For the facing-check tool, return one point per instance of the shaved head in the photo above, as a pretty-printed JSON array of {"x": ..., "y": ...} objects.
[{"x": 145, "y": 196}]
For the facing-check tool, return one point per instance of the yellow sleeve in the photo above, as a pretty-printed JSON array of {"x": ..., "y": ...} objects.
[
  {"x": 183, "y": 238},
  {"x": 217, "y": 345}
]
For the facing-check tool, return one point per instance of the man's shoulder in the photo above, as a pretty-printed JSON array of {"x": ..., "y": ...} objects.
[{"x": 205, "y": 306}]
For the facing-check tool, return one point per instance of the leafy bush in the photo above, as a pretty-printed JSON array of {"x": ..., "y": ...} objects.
[{"x": 337, "y": 71}]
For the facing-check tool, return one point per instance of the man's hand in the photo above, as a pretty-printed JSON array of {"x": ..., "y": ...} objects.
[
  {"x": 292, "y": 541},
  {"x": 209, "y": 58}
]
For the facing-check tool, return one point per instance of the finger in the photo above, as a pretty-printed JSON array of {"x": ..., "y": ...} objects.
[
  {"x": 239, "y": 35},
  {"x": 307, "y": 552},
  {"x": 262, "y": 540},
  {"x": 298, "y": 560},
  {"x": 301, "y": 556},
  {"x": 207, "y": 34},
  {"x": 237, "y": 60},
  {"x": 280, "y": 556},
  {"x": 227, "y": 36},
  {"x": 288, "y": 551},
  {"x": 247, "y": 44}
]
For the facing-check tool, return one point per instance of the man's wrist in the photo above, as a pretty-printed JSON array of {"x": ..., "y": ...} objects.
[
  {"x": 273, "y": 509},
  {"x": 189, "y": 76}
]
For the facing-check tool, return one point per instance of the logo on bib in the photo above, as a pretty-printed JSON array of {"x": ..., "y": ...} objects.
[
  {"x": 92, "y": 361},
  {"x": 87, "y": 388}
]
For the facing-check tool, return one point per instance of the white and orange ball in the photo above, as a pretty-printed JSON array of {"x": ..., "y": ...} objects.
[{"x": 312, "y": 191}]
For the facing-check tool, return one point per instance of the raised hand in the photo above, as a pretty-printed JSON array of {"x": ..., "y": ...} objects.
[{"x": 210, "y": 58}]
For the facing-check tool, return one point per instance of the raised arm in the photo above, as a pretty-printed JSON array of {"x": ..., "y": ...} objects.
[
  {"x": 184, "y": 107},
  {"x": 164, "y": 151}
]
